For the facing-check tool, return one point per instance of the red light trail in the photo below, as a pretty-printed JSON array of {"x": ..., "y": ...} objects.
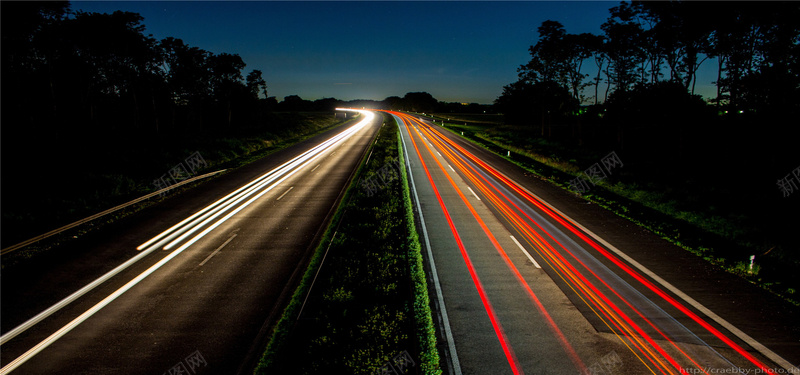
[{"x": 564, "y": 263}]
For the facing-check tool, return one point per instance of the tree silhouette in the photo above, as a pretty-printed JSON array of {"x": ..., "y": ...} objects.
[
  {"x": 756, "y": 47},
  {"x": 186, "y": 71},
  {"x": 226, "y": 81},
  {"x": 624, "y": 46},
  {"x": 558, "y": 57},
  {"x": 523, "y": 102},
  {"x": 29, "y": 48},
  {"x": 579, "y": 48},
  {"x": 420, "y": 102},
  {"x": 596, "y": 46},
  {"x": 548, "y": 55},
  {"x": 256, "y": 83}
]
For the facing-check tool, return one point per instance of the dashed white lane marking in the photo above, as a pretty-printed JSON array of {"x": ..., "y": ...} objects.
[
  {"x": 780, "y": 361},
  {"x": 448, "y": 333},
  {"x": 473, "y": 193},
  {"x": 527, "y": 254},
  {"x": 287, "y": 192},
  {"x": 218, "y": 249}
]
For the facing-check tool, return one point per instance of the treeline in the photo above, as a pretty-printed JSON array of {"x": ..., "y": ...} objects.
[
  {"x": 422, "y": 102},
  {"x": 73, "y": 72},
  {"x": 655, "y": 49},
  {"x": 713, "y": 161},
  {"x": 66, "y": 72}
]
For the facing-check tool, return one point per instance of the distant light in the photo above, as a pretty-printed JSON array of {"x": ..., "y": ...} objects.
[{"x": 741, "y": 111}]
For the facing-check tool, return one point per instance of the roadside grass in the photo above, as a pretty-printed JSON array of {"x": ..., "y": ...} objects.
[
  {"x": 126, "y": 174},
  {"x": 369, "y": 301},
  {"x": 723, "y": 240},
  {"x": 475, "y": 118}
]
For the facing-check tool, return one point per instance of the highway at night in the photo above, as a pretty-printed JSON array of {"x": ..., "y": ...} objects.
[
  {"x": 525, "y": 289},
  {"x": 520, "y": 282},
  {"x": 195, "y": 281},
  {"x": 468, "y": 187}
]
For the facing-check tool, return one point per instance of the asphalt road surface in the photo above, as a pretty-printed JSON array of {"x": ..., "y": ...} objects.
[
  {"x": 206, "y": 271},
  {"x": 531, "y": 279}
]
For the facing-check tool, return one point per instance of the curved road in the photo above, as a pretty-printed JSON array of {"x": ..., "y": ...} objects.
[
  {"x": 523, "y": 288},
  {"x": 201, "y": 305}
]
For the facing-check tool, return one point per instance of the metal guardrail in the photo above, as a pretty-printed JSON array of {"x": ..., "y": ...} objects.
[{"x": 101, "y": 214}]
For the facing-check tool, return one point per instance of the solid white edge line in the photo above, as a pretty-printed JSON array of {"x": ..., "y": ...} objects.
[
  {"x": 527, "y": 254},
  {"x": 473, "y": 193},
  {"x": 44, "y": 314},
  {"x": 316, "y": 274},
  {"x": 691, "y": 301},
  {"x": 218, "y": 249},
  {"x": 451, "y": 346},
  {"x": 780, "y": 361}
]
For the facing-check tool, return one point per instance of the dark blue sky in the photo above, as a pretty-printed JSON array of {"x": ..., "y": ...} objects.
[{"x": 457, "y": 51}]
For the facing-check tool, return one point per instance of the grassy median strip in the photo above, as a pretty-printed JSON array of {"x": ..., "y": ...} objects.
[{"x": 363, "y": 302}]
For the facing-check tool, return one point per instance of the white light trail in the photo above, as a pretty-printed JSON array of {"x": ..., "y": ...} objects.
[
  {"x": 225, "y": 202},
  {"x": 186, "y": 227}
]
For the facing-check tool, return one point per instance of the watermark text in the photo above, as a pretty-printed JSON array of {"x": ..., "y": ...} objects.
[
  {"x": 398, "y": 365},
  {"x": 790, "y": 183},
  {"x": 190, "y": 365},
  {"x": 595, "y": 173},
  {"x": 387, "y": 173},
  {"x": 182, "y": 171}
]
